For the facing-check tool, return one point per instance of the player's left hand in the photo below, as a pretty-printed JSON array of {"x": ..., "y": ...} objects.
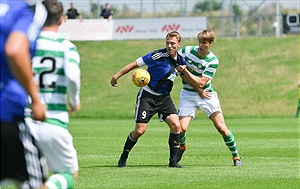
[
  {"x": 204, "y": 93},
  {"x": 38, "y": 112},
  {"x": 113, "y": 82},
  {"x": 74, "y": 108},
  {"x": 181, "y": 68}
]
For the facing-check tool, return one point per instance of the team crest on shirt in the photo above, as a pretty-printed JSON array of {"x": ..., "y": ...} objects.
[
  {"x": 190, "y": 68},
  {"x": 200, "y": 66}
]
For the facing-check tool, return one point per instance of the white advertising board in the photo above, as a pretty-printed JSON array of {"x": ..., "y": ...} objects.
[
  {"x": 87, "y": 29},
  {"x": 124, "y": 29},
  {"x": 157, "y": 28}
]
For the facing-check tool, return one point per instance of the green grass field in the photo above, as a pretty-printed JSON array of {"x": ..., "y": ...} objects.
[
  {"x": 269, "y": 148},
  {"x": 257, "y": 77},
  {"x": 256, "y": 83}
]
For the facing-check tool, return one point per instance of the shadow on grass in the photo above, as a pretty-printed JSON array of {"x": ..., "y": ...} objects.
[
  {"x": 128, "y": 166},
  {"x": 153, "y": 166}
]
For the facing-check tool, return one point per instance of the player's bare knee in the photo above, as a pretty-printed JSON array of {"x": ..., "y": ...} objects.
[
  {"x": 137, "y": 133},
  {"x": 75, "y": 175},
  {"x": 223, "y": 130},
  {"x": 140, "y": 133},
  {"x": 183, "y": 129},
  {"x": 175, "y": 128}
]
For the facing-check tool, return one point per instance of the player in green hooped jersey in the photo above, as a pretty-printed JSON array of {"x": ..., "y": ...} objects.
[
  {"x": 198, "y": 92},
  {"x": 56, "y": 71}
]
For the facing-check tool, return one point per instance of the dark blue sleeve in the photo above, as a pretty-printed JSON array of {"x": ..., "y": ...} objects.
[{"x": 182, "y": 61}]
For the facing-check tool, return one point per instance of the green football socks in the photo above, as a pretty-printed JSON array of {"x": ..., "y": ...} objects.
[
  {"x": 60, "y": 181},
  {"x": 231, "y": 144},
  {"x": 182, "y": 139}
]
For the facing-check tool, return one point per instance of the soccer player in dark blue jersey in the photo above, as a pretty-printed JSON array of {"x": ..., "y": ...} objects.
[
  {"x": 155, "y": 97},
  {"x": 20, "y": 160}
]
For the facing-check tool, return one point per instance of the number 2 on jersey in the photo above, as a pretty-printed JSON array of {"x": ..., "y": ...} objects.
[{"x": 42, "y": 74}]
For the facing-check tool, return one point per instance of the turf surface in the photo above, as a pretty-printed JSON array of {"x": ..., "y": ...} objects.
[{"x": 269, "y": 148}]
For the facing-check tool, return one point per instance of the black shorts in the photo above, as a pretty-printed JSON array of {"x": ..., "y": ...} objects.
[
  {"x": 21, "y": 160},
  {"x": 148, "y": 105}
]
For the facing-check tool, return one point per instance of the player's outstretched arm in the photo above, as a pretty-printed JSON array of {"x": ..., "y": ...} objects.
[{"x": 122, "y": 72}]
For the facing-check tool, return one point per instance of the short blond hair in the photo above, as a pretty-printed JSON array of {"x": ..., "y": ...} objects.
[
  {"x": 174, "y": 34},
  {"x": 206, "y": 35}
]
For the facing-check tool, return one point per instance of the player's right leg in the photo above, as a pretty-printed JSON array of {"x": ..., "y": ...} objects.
[
  {"x": 61, "y": 180},
  {"x": 143, "y": 113},
  {"x": 21, "y": 162},
  {"x": 187, "y": 109},
  {"x": 57, "y": 146},
  {"x": 184, "y": 122},
  {"x": 218, "y": 120},
  {"x": 131, "y": 140},
  {"x": 139, "y": 130},
  {"x": 173, "y": 122}
]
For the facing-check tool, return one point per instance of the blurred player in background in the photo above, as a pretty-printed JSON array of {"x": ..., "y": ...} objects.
[
  {"x": 198, "y": 92},
  {"x": 20, "y": 158},
  {"x": 155, "y": 97},
  {"x": 57, "y": 73}
]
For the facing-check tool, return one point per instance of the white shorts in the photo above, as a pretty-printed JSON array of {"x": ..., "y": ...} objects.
[
  {"x": 56, "y": 144},
  {"x": 191, "y": 101}
]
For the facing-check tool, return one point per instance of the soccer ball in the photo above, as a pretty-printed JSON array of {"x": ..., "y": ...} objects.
[{"x": 140, "y": 77}]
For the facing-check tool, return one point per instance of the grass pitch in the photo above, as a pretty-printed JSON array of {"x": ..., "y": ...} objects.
[
  {"x": 269, "y": 148},
  {"x": 257, "y": 77},
  {"x": 256, "y": 84}
]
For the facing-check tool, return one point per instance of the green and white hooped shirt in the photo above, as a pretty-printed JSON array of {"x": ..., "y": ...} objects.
[
  {"x": 206, "y": 66},
  {"x": 57, "y": 73}
]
